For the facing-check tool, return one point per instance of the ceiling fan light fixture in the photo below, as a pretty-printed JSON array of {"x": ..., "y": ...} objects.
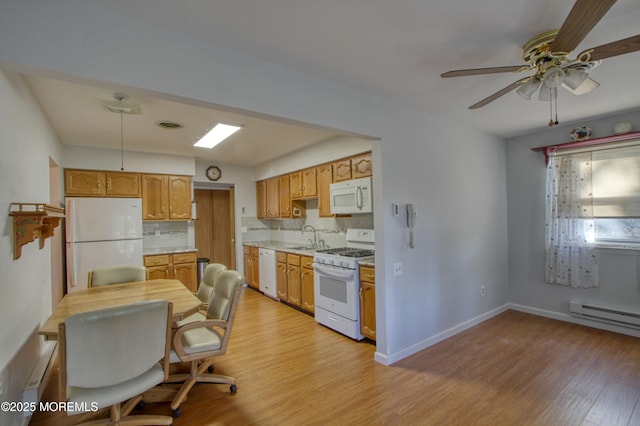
[
  {"x": 587, "y": 86},
  {"x": 553, "y": 77},
  {"x": 574, "y": 78},
  {"x": 527, "y": 89}
]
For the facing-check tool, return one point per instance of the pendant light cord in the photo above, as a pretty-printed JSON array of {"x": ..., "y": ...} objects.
[{"x": 121, "y": 143}]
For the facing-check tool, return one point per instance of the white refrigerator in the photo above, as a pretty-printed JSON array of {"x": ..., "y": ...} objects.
[{"x": 101, "y": 232}]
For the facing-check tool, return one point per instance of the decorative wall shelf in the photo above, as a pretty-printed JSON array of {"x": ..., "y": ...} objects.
[
  {"x": 31, "y": 221},
  {"x": 550, "y": 149}
]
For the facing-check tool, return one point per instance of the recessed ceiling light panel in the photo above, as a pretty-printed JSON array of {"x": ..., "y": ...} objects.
[{"x": 216, "y": 135}]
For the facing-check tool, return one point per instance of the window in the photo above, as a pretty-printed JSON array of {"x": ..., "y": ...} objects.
[{"x": 616, "y": 195}]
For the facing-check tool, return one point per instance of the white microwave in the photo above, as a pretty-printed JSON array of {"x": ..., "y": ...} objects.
[{"x": 351, "y": 196}]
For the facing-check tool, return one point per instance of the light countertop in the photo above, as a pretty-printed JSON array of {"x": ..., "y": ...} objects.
[
  {"x": 282, "y": 246},
  {"x": 168, "y": 250}
]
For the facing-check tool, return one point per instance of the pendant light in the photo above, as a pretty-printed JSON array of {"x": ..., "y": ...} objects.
[{"x": 121, "y": 107}]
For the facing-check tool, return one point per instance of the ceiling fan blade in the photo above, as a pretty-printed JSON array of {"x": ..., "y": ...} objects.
[
  {"x": 479, "y": 71},
  {"x": 620, "y": 47},
  {"x": 584, "y": 15},
  {"x": 499, "y": 93}
]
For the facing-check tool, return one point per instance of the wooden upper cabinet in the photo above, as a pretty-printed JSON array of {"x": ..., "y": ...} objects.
[
  {"x": 154, "y": 197},
  {"x": 273, "y": 198},
  {"x": 122, "y": 184},
  {"x": 295, "y": 184},
  {"x": 179, "y": 197},
  {"x": 101, "y": 183},
  {"x": 284, "y": 196},
  {"x": 309, "y": 184},
  {"x": 166, "y": 197},
  {"x": 342, "y": 170},
  {"x": 324, "y": 175},
  {"x": 361, "y": 166},
  {"x": 261, "y": 199},
  {"x": 84, "y": 182}
]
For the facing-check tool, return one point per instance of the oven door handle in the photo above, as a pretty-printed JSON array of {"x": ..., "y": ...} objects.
[{"x": 333, "y": 273}]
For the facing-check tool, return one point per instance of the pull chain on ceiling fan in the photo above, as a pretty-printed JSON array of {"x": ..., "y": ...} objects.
[{"x": 547, "y": 55}]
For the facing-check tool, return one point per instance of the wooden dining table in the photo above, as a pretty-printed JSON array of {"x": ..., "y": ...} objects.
[{"x": 184, "y": 301}]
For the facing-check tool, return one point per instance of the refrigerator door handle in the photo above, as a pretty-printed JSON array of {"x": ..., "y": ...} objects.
[{"x": 71, "y": 273}]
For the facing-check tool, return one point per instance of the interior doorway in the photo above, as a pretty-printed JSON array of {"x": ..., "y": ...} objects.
[
  {"x": 215, "y": 227},
  {"x": 57, "y": 242}
]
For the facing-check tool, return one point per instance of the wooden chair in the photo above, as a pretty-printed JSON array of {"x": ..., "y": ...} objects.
[
  {"x": 199, "y": 342},
  {"x": 117, "y": 274},
  {"x": 113, "y": 355}
]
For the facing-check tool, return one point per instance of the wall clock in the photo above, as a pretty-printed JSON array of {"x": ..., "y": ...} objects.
[{"x": 214, "y": 173}]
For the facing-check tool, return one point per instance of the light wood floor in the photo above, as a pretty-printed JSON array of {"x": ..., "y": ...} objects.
[{"x": 514, "y": 369}]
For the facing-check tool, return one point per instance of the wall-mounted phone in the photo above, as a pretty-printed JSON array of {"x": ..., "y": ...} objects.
[{"x": 411, "y": 222}]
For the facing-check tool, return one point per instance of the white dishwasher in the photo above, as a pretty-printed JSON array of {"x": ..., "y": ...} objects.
[{"x": 267, "y": 268}]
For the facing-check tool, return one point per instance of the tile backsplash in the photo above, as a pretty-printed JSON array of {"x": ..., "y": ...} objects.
[
  {"x": 167, "y": 235},
  {"x": 331, "y": 230}
]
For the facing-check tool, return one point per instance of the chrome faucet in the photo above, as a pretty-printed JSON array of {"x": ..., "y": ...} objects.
[{"x": 314, "y": 243}]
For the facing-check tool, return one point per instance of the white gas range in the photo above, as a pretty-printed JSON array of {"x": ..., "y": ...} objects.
[{"x": 336, "y": 281}]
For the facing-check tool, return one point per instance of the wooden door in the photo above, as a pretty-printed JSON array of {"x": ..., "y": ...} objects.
[
  {"x": 294, "y": 285},
  {"x": 215, "y": 227}
]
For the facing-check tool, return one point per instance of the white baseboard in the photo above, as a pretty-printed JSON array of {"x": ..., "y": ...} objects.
[
  {"x": 575, "y": 320},
  {"x": 408, "y": 351}
]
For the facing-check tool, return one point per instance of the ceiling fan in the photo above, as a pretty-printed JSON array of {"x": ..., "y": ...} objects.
[{"x": 547, "y": 55}]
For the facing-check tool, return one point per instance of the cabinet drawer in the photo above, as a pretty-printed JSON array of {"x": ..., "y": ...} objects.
[
  {"x": 281, "y": 256},
  {"x": 368, "y": 274},
  {"x": 306, "y": 261},
  {"x": 293, "y": 259},
  {"x": 255, "y": 251},
  {"x": 189, "y": 257},
  {"x": 156, "y": 260},
  {"x": 246, "y": 249}
]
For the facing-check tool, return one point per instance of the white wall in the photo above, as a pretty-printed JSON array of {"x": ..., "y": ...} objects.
[
  {"x": 26, "y": 144},
  {"x": 455, "y": 175},
  {"x": 82, "y": 157},
  {"x": 619, "y": 273}
]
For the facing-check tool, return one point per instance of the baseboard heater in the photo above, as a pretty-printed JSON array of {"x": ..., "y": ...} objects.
[
  {"x": 37, "y": 380},
  {"x": 603, "y": 314}
]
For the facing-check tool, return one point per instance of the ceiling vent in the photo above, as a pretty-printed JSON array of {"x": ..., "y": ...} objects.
[{"x": 169, "y": 125}]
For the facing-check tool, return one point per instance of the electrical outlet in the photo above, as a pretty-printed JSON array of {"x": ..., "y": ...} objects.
[
  {"x": 397, "y": 269},
  {"x": 483, "y": 290}
]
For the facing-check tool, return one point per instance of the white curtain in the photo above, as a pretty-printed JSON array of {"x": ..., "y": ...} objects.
[{"x": 569, "y": 229}]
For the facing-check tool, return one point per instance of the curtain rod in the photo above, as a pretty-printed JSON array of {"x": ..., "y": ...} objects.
[{"x": 550, "y": 149}]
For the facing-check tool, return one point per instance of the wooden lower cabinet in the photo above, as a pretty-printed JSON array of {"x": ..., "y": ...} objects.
[
  {"x": 281, "y": 275},
  {"x": 179, "y": 266},
  {"x": 294, "y": 290},
  {"x": 252, "y": 266},
  {"x": 368, "y": 302},
  {"x": 307, "y": 298}
]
